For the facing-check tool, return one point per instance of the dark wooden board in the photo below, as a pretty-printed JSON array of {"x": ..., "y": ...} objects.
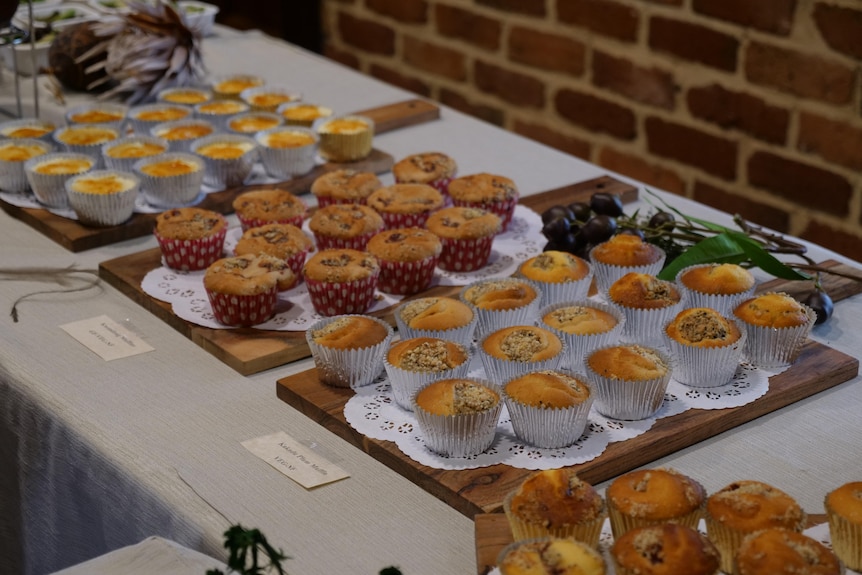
[
  {"x": 252, "y": 350},
  {"x": 76, "y": 237}
]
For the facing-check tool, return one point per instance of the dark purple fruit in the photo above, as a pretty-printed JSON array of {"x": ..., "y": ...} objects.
[
  {"x": 555, "y": 212},
  {"x": 556, "y": 229},
  {"x": 821, "y": 303},
  {"x": 598, "y": 229},
  {"x": 632, "y": 232},
  {"x": 606, "y": 204},
  {"x": 662, "y": 221},
  {"x": 581, "y": 211}
]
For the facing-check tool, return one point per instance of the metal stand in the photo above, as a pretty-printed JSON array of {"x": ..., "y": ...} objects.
[{"x": 13, "y": 36}]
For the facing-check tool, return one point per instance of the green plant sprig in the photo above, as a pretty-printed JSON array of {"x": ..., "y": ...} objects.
[{"x": 246, "y": 545}]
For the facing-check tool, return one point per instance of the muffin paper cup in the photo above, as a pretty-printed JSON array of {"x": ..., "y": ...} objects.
[
  {"x": 440, "y": 184},
  {"x": 117, "y": 109},
  {"x": 647, "y": 325},
  {"x": 226, "y": 172},
  {"x": 706, "y": 366},
  {"x": 277, "y": 121},
  {"x": 406, "y": 278},
  {"x": 580, "y": 345},
  {"x": 346, "y": 147},
  {"x": 593, "y": 548},
  {"x": 348, "y": 367},
  {"x": 465, "y": 255},
  {"x": 549, "y": 428},
  {"x": 355, "y": 243},
  {"x": 406, "y": 383},
  {"x": 50, "y": 189},
  {"x": 92, "y": 150},
  {"x": 190, "y": 255},
  {"x": 503, "y": 208},
  {"x": 10, "y": 126},
  {"x": 629, "y": 399},
  {"x": 306, "y": 123},
  {"x": 500, "y": 370},
  {"x": 492, "y": 320},
  {"x": 553, "y": 292},
  {"x": 287, "y": 162},
  {"x": 607, "y": 274},
  {"x": 243, "y": 310},
  {"x": 248, "y": 223},
  {"x": 396, "y": 221},
  {"x": 331, "y": 299},
  {"x": 462, "y": 334},
  {"x": 588, "y": 531},
  {"x": 171, "y": 191},
  {"x": 102, "y": 210},
  {"x": 846, "y": 539},
  {"x": 13, "y": 175},
  {"x": 167, "y": 95},
  {"x": 249, "y": 94},
  {"x": 461, "y": 435},
  {"x": 776, "y": 347},
  {"x": 181, "y": 145},
  {"x": 142, "y": 127},
  {"x": 726, "y": 540},
  {"x": 323, "y": 201},
  {"x": 128, "y": 164},
  {"x": 722, "y": 303},
  {"x": 621, "y": 523},
  {"x": 219, "y": 119}
]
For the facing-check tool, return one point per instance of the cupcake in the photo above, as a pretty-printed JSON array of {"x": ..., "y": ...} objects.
[
  {"x": 707, "y": 347},
  {"x": 555, "y": 503},
  {"x": 457, "y": 417},
  {"x": 550, "y": 555},
  {"x": 779, "y": 551},
  {"x": 777, "y": 326},
  {"x": 442, "y": 317},
  {"x": 172, "y": 179},
  {"x": 218, "y": 112},
  {"x": 629, "y": 380},
  {"x": 584, "y": 326},
  {"x": 345, "y": 226},
  {"x": 252, "y": 122},
  {"x": 302, "y": 113},
  {"x": 344, "y": 187},
  {"x": 548, "y": 408},
  {"x": 515, "y": 350},
  {"x": 284, "y": 241},
  {"x": 228, "y": 158},
  {"x": 123, "y": 153},
  {"x": 287, "y": 151},
  {"x": 467, "y": 235},
  {"x": 405, "y": 205},
  {"x": 561, "y": 275},
  {"x": 187, "y": 96},
  {"x": 348, "y": 350},
  {"x": 719, "y": 286},
  {"x": 652, "y": 497},
  {"x": 345, "y": 138},
  {"x": 190, "y": 238},
  {"x": 664, "y": 549},
  {"x": 231, "y": 86},
  {"x": 502, "y": 302},
  {"x": 413, "y": 362},
  {"x": 745, "y": 507},
  {"x": 32, "y": 128},
  {"x": 341, "y": 281},
  {"x": 103, "y": 197},
  {"x": 497, "y": 194},
  {"x": 647, "y": 302},
  {"x": 430, "y": 168},
  {"x": 181, "y": 133},
  {"x": 268, "y": 98},
  {"x": 144, "y": 118},
  {"x": 243, "y": 290},
  {"x": 407, "y": 257},
  {"x": 621, "y": 254},
  {"x": 13, "y": 157},
  {"x": 269, "y": 206},
  {"x": 844, "y": 513},
  {"x": 99, "y": 114},
  {"x": 47, "y": 175},
  {"x": 86, "y": 139}
]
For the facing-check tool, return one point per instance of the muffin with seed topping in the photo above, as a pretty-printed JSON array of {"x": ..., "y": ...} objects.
[
  {"x": 344, "y": 187},
  {"x": 405, "y": 205},
  {"x": 514, "y": 350},
  {"x": 243, "y": 290},
  {"x": 407, "y": 257},
  {"x": 497, "y": 194},
  {"x": 550, "y": 555},
  {"x": 629, "y": 380},
  {"x": 502, "y": 302},
  {"x": 442, "y": 317},
  {"x": 561, "y": 275},
  {"x": 777, "y": 326},
  {"x": 778, "y": 551},
  {"x": 664, "y": 549},
  {"x": 621, "y": 254},
  {"x": 431, "y": 168},
  {"x": 341, "y": 281},
  {"x": 707, "y": 347},
  {"x": 412, "y": 362},
  {"x": 348, "y": 226},
  {"x": 348, "y": 349},
  {"x": 190, "y": 238},
  {"x": 467, "y": 235},
  {"x": 284, "y": 241},
  {"x": 647, "y": 302},
  {"x": 584, "y": 325},
  {"x": 844, "y": 513},
  {"x": 269, "y": 206}
]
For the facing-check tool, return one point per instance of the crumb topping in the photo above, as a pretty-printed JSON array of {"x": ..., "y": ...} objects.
[
  {"x": 414, "y": 308},
  {"x": 522, "y": 344},
  {"x": 470, "y": 397},
  {"x": 428, "y": 356},
  {"x": 702, "y": 325}
]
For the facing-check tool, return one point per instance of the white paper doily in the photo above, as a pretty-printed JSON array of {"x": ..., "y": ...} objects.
[{"x": 185, "y": 291}]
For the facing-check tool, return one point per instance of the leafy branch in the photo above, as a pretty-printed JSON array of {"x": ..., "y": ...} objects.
[{"x": 249, "y": 544}]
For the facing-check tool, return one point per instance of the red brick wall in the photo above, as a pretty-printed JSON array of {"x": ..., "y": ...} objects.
[{"x": 753, "y": 106}]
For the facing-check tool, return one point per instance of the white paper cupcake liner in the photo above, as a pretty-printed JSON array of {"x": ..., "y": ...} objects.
[
  {"x": 142, "y": 126},
  {"x": 240, "y": 118},
  {"x": 462, "y": 334},
  {"x": 10, "y": 126},
  {"x": 128, "y": 164},
  {"x": 588, "y": 531},
  {"x": 226, "y": 172},
  {"x": 120, "y": 110},
  {"x": 50, "y": 189},
  {"x": 776, "y": 347},
  {"x": 287, "y": 162},
  {"x": 607, "y": 274},
  {"x": 406, "y": 383},
  {"x": 492, "y": 320},
  {"x": 647, "y": 325},
  {"x": 348, "y": 367},
  {"x": 461, "y": 435},
  {"x": 184, "y": 144},
  {"x": 548, "y": 428},
  {"x": 722, "y": 303},
  {"x": 629, "y": 399},
  {"x": 553, "y": 292},
  {"x": 249, "y": 94},
  {"x": 171, "y": 191},
  {"x": 92, "y": 150},
  {"x": 219, "y": 119},
  {"x": 706, "y": 366},
  {"x": 580, "y": 345},
  {"x": 103, "y": 209},
  {"x": 501, "y": 370}
]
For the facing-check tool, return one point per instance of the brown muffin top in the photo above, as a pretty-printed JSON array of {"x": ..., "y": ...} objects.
[
  {"x": 667, "y": 549},
  {"x": 346, "y": 185},
  {"x": 482, "y": 188},
  {"x": 500, "y": 294},
  {"x": 405, "y": 199},
  {"x": 626, "y": 250},
  {"x": 189, "y": 223},
  {"x": 784, "y": 552},
  {"x": 702, "y": 327},
  {"x": 629, "y": 362},
  {"x": 554, "y": 267},
  {"x": 718, "y": 279},
  {"x": 772, "y": 310},
  {"x": 340, "y": 265},
  {"x": 752, "y": 505},
  {"x": 556, "y": 497},
  {"x": 269, "y": 205},
  {"x": 522, "y": 343},
  {"x": 549, "y": 389},
  {"x": 846, "y": 501},
  {"x": 248, "y": 274},
  {"x": 345, "y": 221},
  {"x": 580, "y": 320},
  {"x": 424, "y": 168},
  {"x": 350, "y": 332},
  {"x": 404, "y": 245},
  {"x": 655, "y": 494},
  {"x": 557, "y": 556},
  {"x": 463, "y": 223},
  {"x": 643, "y": 291},
  {"x": 436, "y": 313},
  {"x": 426, "y": 354},
  {"x": 456, "y": 397},
  {"x": 280, "y": 240}
]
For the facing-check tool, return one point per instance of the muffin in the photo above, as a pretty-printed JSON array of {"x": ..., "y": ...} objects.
[
  {"x": 243, "y": 290},
  {"x": 629, "y": 380},
  {"x": 413, "y": 362},
  {"x": 172, "y": 179},
  {"x": 621, "y": 254},
  {"x": 550, "y": 555},
  {"x": 231, "y": 86},
  {"x": 103, "y": 197},
  {"x": 647, "y": 302},
  {"x": 345, "y": 226},
  {"x": 442, "y": 317},
  {"x": 187, "y": 96},
  {"x": 344, "y": 187},
  {"x": 779, "y": 551},
  {"x": 467, "y": 235},
  {"x": 744, "y": 507},
  {"x": 777, "y": 326},
  {"x": 457, "y": 417},
  {"x": 664, "y": 549},
  {"x": 123, "y": 153},
  {"x": 844, "y": 513},
  {"x": 707, "y": 347},
  {"x": 555, "y": 503},
  {"x": 719, "y": 286},
  {"x": 348, "y": 350},
  {"x": 407, "y": 257},
  {"x": 302, "y": 113},
  {"x": 497, "y": 194},
  {"x": 502, "y": 302},
  {"x": 47, "y": 175},
  {"x": 99, "y": 114},
  {"x": 181, "y": 133},
  {"x": 268, "y": 206},
  {"x": 548, "y": 408},
  {"x": 341, "y": 281},
  {"x": 86, "y": 139},
  {"x": 13, "y": 156},
  {"x": 32, "y": 128},
  {"x": 405, "y": 205},
  {"x": 561, "y": 275},
  {"x": 268, "y": 98},
  {"x": 144, "y": 118},
  {"x": 284, "y": 241},
  {"x": 190, "y": 238},
  {"x": 345, "y": 138},
  {"x": 219, "y": 112},
  {"x": 430, "y": 168},
  {"x": 652, "y": 497},
  {"x": 583, "y": 325},
  {"x": 228, "y": 158},
  {"x": 514, "y": 350},
  {"x": 252, "y": 122},
  {"x": 287, "y": 151}
]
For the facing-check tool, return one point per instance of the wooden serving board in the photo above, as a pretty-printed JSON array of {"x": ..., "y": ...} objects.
[
  {"x": 76, "y": 237},
  {"x": 482, "y": 490},
  {"x": 250, "y": 350}
]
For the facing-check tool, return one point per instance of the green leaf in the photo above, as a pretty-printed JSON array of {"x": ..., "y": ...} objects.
[
  {"x": 765, "y": 260},
  {"x": 720, "y": 248}
]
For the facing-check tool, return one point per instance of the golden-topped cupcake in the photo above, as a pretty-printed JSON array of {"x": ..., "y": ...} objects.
[
  {"x": 159, "y": 113},
  {"x": 287, "y": 151},
  {"x": 103, "y": 197},
  {"x": 405, "y": 205},
  {"x": 664, "y": 549},
  {"x": 243, "y": 289},
  {"x": 171, "y": 179},
  {"x": 408, "y": 258},
  {"x": 104, "y": 182},
  {"x": 187, "y": 96},
  {"x": 16, "y": 151},
  {"x": 707, "y": 345},
  {"x": 647, "y": 302},
  {"x": 551, "y": 555},
  {"x": 514, "y": 350},
  {"x": 580, "y": 319},
  {"x": 844, "y": 513},
  {"x": 302, "y": 114},
  {"x": 467, "y": 235},
  {"x": 563, "y": 277},
  {"x": 169, "y": 167},
  {"x": 268, "y": 98},
  {"x": 621, "y": 254},
  {"x": 341, "y": 281},
  {"x": 500, "y": 294},
  {"x": 135, "y": 149},
  {"x": 86, "y": 135},
  {"x": 269, "y": 206},
  {"x": 284, "y": 241},
  {"x": 190, "y": 238},
  {"x": 181, "y": 133},
  {"x": 64, "y": 165},
  {"x": 432, "y": 168},
  {"x": 629, "y": 380},
  {"x": 231, "y": 86},
  {"x": 349, "y": 332},
  {"x": 777, "y": 327},
  {"x": 346, "y": 138},
  {"x": 252, "y": 122},
  {"x": 345, "y": 225},
  {"x": 344, "y": 187},
  {"x": 492, "y": 192},
  {"x": 348, "y": 349},
  {"x": 47, "y": 175},
  {"x": 781, "y": 551},
  {"x": 443, "y": 317}
]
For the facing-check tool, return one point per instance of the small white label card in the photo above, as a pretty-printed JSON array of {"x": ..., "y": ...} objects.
[
  {"x": 295, "y": 460},
  {"x": 107, "y": 338}
]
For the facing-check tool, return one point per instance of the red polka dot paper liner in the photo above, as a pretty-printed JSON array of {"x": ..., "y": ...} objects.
[
  {"x": 406, "y": 278},
  {"x": 192, "y": 255},
  {"x": 465, "y": 255},
  {"x": 243, "y": 310},
  {"x": 323, "y": 201},
  {"x": 503, "y": 208},
  {"x": 248, "y": 223},
  {"x": 355, "y": 243},
  {"x": 330, "y": 298},
  {"x": 398, "y": 221}
]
